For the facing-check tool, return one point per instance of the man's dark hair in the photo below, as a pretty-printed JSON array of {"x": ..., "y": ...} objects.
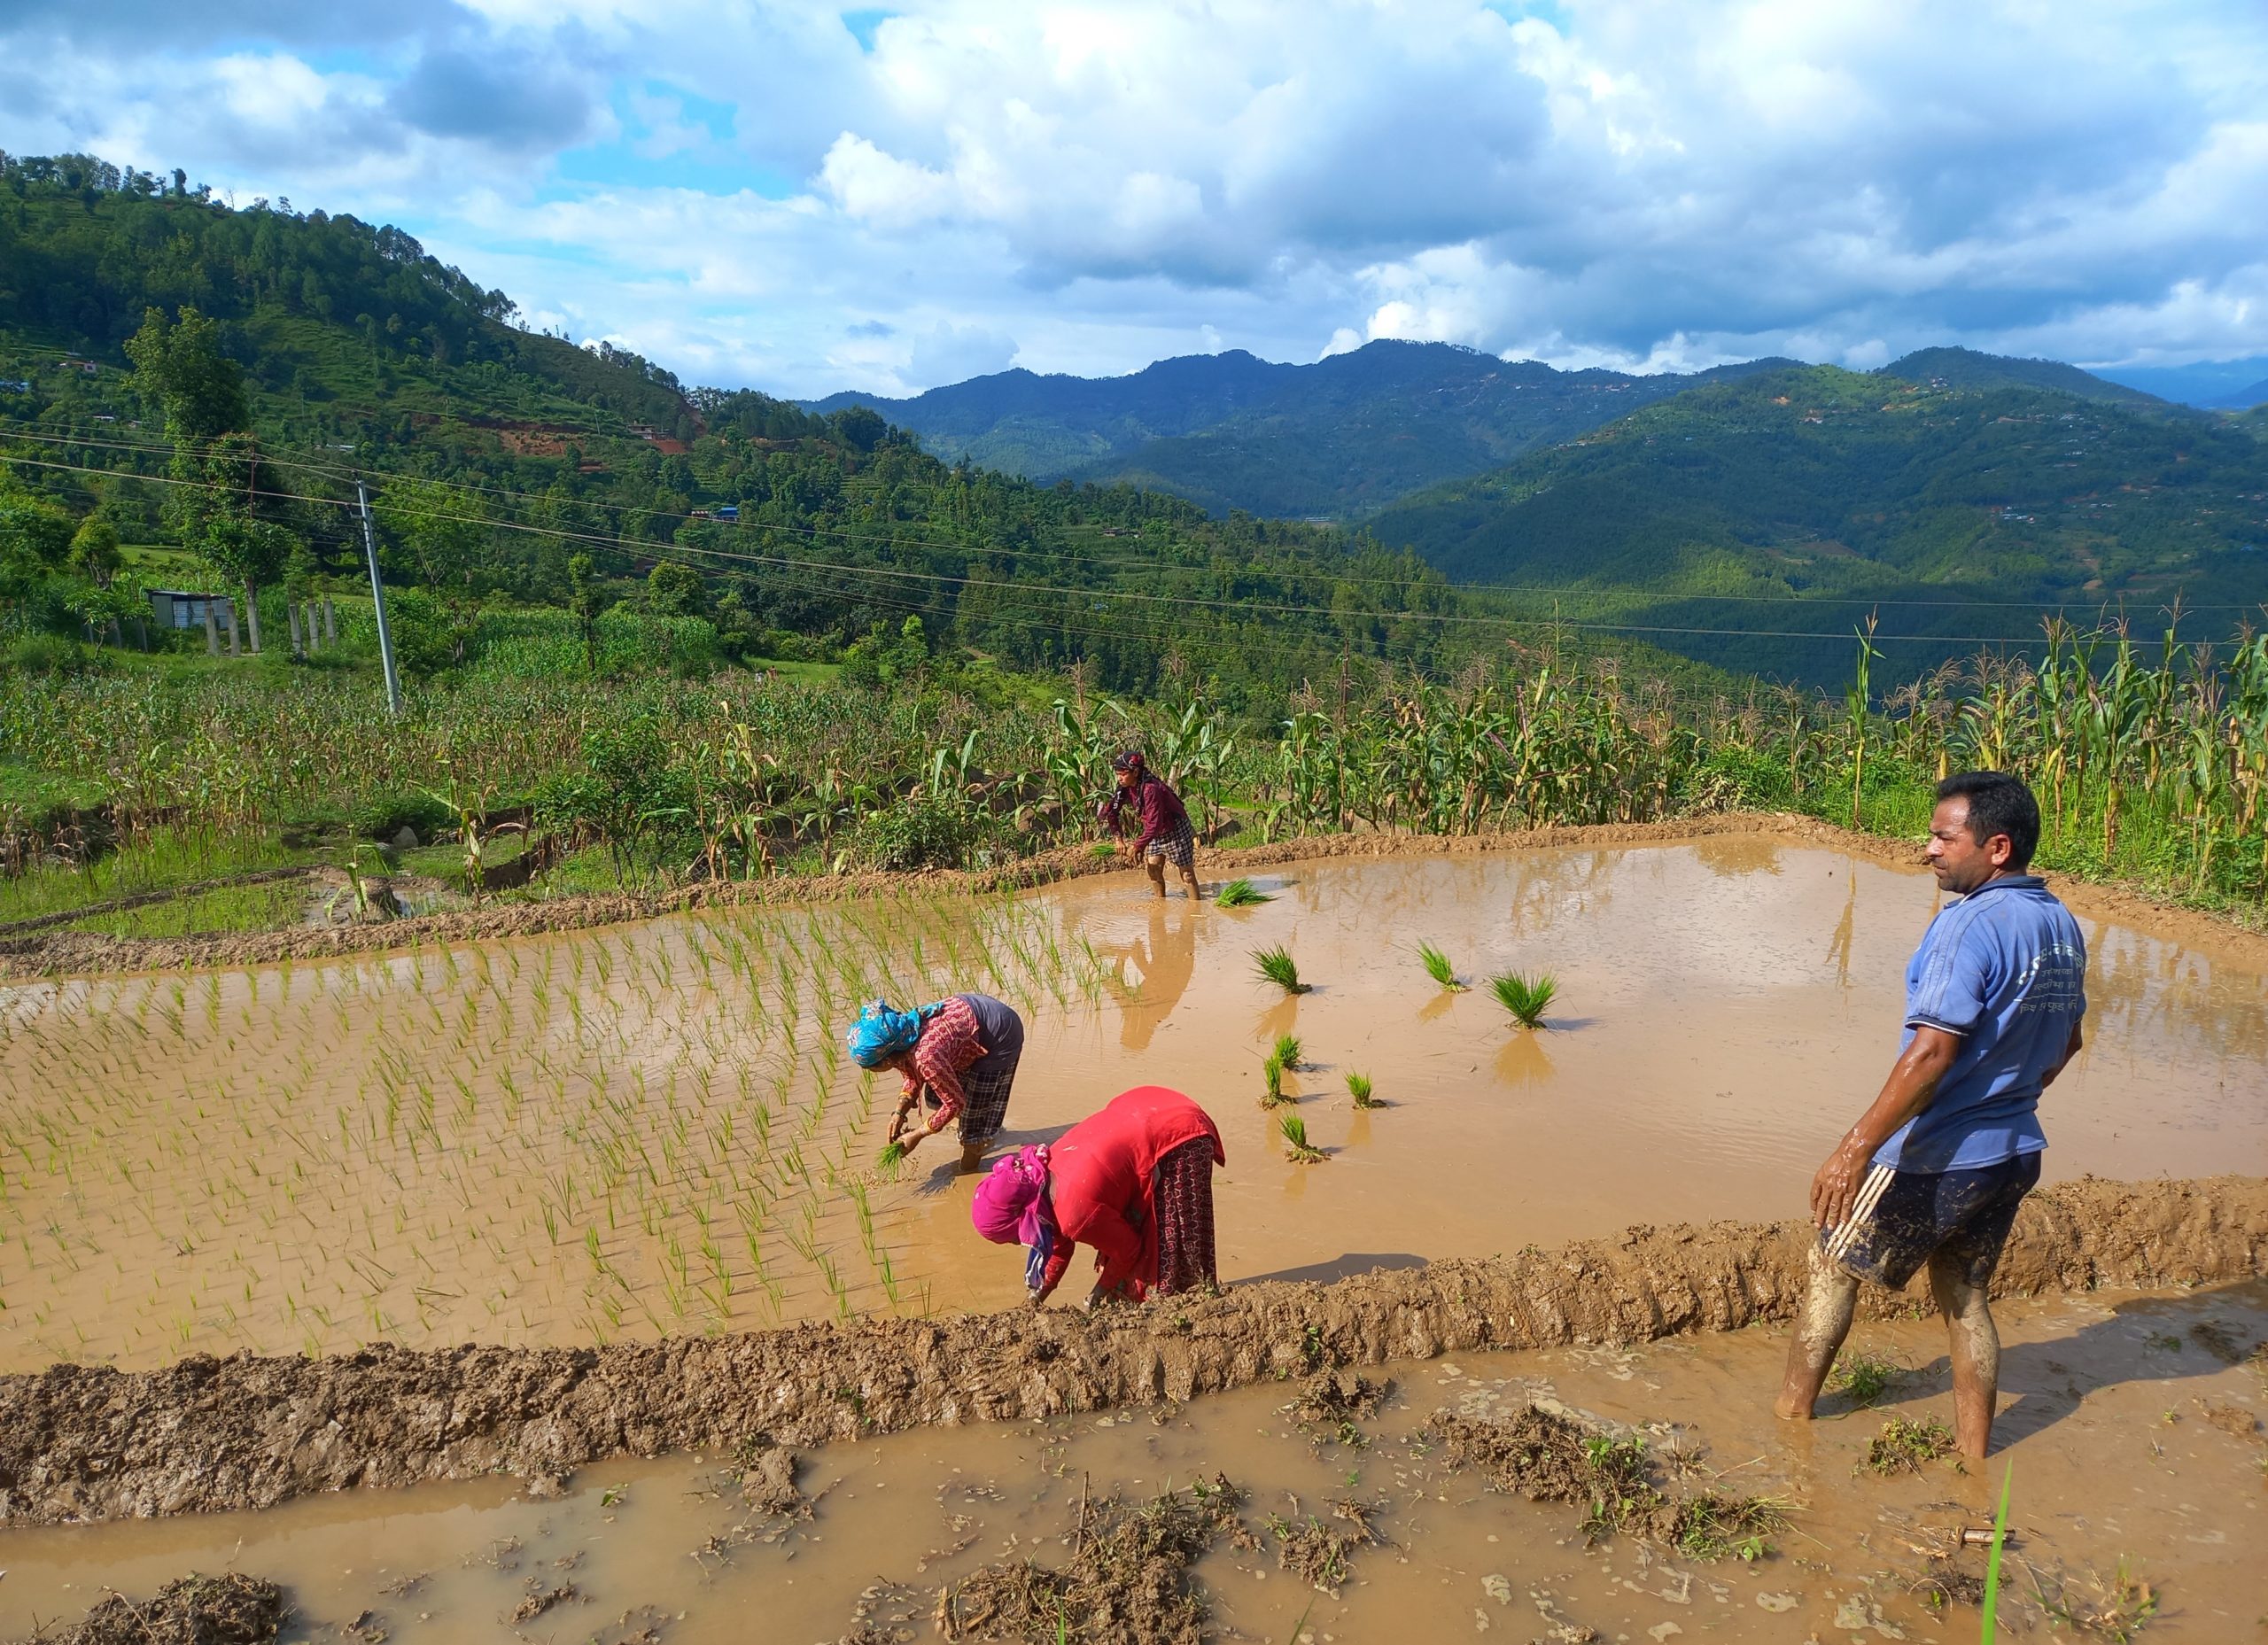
[{"x": 1998, "y": 804}]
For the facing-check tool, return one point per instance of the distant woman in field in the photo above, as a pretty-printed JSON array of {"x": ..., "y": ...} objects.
[
  {"x": 1166, "y": 835},
  {"x": 1134, "y": 1180},
  {"x": 959, "y": 1055}
]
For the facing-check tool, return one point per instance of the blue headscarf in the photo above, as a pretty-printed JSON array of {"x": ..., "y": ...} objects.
[{"x": 882, "y": 1033}]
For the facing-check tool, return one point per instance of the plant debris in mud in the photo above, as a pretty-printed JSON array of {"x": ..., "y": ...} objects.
[
  {"x": 1863, "y": 1378},
  {"x": 1903, "y": 1447},
  {"x": 1339, "y": 1396},
  {"x": 2114, "y": 1608},
  {"x": 1315, "y": 1552},
  {"x": 1126, "y": 1584},
  {"x": 1548, "y": 1457},
  {"x": 194, "y": 1609}
]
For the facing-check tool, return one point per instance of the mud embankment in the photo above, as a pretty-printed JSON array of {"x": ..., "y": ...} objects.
[
  {"x": 80, "y": 1443},
  {"x": 50, "y": 953}
]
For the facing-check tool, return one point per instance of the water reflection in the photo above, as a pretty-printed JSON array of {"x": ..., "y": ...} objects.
[
  {"x": 1839, "y": 949},
  {"x": 1523, "y": 1062},
  {"x": 1729, "y": 855},
  {"x": 1151, "y": 974}
]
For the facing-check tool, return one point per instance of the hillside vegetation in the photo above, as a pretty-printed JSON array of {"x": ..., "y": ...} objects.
[{"x": 1719, "y": 509}]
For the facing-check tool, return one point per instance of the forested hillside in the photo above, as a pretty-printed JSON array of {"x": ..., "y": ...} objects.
[
  {"x": 1717, "y": 507},
  {"x": 498, "y": 457},
  {"x": 1338, "y": 440}
]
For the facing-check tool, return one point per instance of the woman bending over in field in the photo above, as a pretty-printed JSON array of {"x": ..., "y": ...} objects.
[{"x": 1134, "y": 1180}]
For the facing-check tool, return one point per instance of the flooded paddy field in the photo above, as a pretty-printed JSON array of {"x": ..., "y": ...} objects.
[
  {"x": 1359, "y": 1511},
  {"x": 650, "y": 1131}
]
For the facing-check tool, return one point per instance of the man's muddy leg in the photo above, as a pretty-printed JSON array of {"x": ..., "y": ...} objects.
[
  {"x": 1829, "y": 1299},
  {"x": 1976, "y": 1344},
  {"x": 1189, "y": 879},
  {"x": 1156, "y": 866}
]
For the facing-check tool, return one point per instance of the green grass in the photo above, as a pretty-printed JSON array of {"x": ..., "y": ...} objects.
[
  {"x": 1525, "y": 998},
  {"x": 163, "y": 858},
  {"x": 267, "y": 906},
  {"x": 1240, "y": 894},
  {"x": 1438, "y": 967},
  {"x": 1903, "y": 1447},
  {"x": 1866, "y": 1378},
  {"x": 1296, "y": 1147},
  {"x": 1277, "y": 965},
  {"x": 1287, "y": 1051},
  {"x": 1358, "y": 1087}
]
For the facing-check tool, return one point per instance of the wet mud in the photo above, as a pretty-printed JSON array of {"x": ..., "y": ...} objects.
[
  {"x": 81, "y": 1443},
  {"x": 1516, "y": 1493}
]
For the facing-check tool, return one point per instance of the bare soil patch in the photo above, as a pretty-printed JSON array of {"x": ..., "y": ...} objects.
[{"x": 81, "y": 1443}]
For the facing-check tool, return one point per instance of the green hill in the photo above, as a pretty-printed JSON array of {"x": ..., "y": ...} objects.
[
  {"x": 1714, "y": 509},
  {"x": 1965, "y": 368},
  {"x": 1338, "y": 440}
]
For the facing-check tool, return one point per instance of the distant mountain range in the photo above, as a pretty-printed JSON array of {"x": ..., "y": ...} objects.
[
  {"x": 1348, "y": 436},
  {"x": 2214, "y": 384},
  {"x": 1338, "y": 439}
]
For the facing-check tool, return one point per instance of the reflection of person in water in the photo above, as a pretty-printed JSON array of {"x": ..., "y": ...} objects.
[{"x": 1162, "y": 966}]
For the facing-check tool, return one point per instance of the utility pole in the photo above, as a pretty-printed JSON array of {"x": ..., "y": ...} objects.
[{"x": 378, "y": 598}]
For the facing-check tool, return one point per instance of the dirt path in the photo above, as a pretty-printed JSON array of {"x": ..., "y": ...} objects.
[{"x": 80, "y": 1443}]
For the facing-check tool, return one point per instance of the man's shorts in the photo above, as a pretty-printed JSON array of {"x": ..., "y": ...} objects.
[{"x": 1901, "y": 1219}]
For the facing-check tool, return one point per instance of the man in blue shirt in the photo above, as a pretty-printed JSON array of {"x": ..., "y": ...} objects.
[{"x": 1932, "y": 1173}]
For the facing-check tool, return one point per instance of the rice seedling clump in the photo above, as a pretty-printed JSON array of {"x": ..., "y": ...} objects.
[
  {"x": 1276, "y": 966},
  {"x": 1297, "y": 1149},
  {"x": 1438, "y": 967},
  {"x": 1241, "y": 893},
  {"x": 1525, "y": 998},
  {"x": 1358, "y": 1087}
]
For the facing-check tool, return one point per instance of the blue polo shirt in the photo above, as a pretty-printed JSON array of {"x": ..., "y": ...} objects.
[{"x": 2005, "y": 967}]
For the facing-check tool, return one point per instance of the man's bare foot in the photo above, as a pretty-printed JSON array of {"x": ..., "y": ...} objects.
[
  {"x": 1791, "y": 1409},
  {"x": 972, "y": 1157}
]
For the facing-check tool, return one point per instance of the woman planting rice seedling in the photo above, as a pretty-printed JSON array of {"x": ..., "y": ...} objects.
[
  {"x": 1166, "y": 834},
  {"x": 961, "y": 1054},
  {"x": 1134, "y": 1180}
]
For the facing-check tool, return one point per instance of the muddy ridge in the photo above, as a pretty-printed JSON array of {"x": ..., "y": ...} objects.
[
  {"x": 206, "y": 1434},
  {"x": 49, "y": 953}
]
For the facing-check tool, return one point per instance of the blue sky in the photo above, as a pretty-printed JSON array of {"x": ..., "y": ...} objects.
[{"x": 807, "y": 198}]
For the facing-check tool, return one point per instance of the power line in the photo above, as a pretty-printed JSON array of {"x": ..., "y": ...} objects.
[
  {"x": 671, "y": 550},
  {"x": 933, "y": 549}
]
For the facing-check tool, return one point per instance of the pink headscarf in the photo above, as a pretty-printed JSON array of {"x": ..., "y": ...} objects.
[{"x": 1010, "y": 1203}]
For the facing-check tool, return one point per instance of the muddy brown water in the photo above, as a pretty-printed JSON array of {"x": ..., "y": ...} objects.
[
  {"x": 629, "y": 1133},
  {"x": 2131, "y": 1422}
]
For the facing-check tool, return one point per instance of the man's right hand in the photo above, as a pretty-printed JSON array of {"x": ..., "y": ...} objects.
[{"x": 1835, "y": 1189}]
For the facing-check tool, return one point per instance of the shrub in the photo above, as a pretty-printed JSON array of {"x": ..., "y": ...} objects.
[{"x": 382, "y": 816}]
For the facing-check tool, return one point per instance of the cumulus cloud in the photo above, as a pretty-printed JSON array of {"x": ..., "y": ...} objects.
[{"x": 1086, "y": 184}]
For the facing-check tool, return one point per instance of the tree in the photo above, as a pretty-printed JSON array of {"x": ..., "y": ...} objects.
[
  {"x": 182, "y": 369},
  {"x": 226, "y": 509},
  {"x": 674, "y": 589},
  {"x": 94, "y": 551},
  {"x": 34, "y": 541},
  {"x": 583, "y": 598},
  {"x": 446, "y": 532}
]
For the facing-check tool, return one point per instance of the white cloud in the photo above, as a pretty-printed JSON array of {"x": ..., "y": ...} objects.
[{"x": 1085, "y": 184}]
